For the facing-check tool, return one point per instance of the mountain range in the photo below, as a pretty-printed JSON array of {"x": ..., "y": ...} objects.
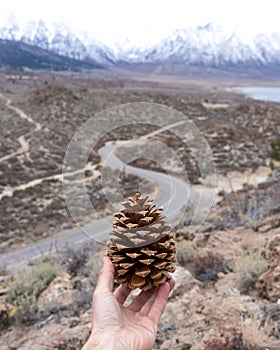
[
  {"x": 16, "y": 54},
  {"x": 211, "y": 46},
  {"x": 58, "y": 38},
  {"x": 207, "y": 46}
]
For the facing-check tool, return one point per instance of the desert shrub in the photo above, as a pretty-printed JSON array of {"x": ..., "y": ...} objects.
[
  {"x": 187, "y": 213},
  {"x": 186, "y": 253},
  {"x": 3, "y": 270},
  {"x": 82, "y": 293},
  {"x": 272, "y": 203},
  {"x": 74, "y": 259},
  {"x": 207, "y": 267},
  {"x": 233, "y": 342},
  {"x": 275, "y": 150},
  {"x": 248, "y": 268},
  {"x": 25, "y": 289},
  {"x": 250, "y": 206},
  {"x": 271, "y": 316}
]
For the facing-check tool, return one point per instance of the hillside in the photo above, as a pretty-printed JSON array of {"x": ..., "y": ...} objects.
[
  {"x": 227, "y": 279},
  {"x": 16, "y": 55}
]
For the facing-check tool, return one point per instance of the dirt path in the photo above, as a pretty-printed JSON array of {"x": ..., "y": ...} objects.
[
  {"x": 24, "y": 149},
  {"x": 164, "y": 128},
  {"x": 24, "y": 145},
  {"x": 9, "y": 190}
]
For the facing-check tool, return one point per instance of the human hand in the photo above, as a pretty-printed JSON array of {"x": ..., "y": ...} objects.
[{"x": 117, "y": 327}]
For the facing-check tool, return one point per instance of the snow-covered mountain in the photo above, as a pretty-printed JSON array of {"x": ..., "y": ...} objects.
[
  {"x": 58, "y": 38},
  {"x": 16, "y": 55},
  {"x": 208, "y": 45}
]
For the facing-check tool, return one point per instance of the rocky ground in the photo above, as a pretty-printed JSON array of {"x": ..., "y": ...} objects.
[{"x": 227, "y": 289}]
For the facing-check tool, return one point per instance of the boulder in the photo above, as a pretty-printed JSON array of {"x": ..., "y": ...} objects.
[{"x": 57, "y": 296}]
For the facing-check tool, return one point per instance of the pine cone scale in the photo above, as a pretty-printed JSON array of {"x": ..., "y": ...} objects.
[{"x": 141, "y": 245}]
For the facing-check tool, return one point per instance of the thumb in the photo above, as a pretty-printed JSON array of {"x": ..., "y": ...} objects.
[{"x": 106, "y": 276}]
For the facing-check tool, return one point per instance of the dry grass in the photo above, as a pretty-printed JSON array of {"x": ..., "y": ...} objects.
[
  {"x": 186, "y": 253},
  {"x": 75, "y": 259},
  {"x": 248, "y": 267},
  {"x": 26, "y": 288}
]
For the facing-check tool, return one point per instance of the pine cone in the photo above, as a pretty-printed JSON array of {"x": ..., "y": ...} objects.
[{"x": 141, "y": 246}]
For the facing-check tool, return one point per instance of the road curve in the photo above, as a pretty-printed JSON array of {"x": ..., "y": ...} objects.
[{"x": 174, "y": 195}]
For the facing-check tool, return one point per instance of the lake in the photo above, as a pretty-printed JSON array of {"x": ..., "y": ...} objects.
[{"x": 271, "y": 94}]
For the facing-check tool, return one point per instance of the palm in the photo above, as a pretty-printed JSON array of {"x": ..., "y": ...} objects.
[
  {"x": 136, "y": 323},
  {"x": 134, "y": 332},
  {"x": 131, "y": 327}
]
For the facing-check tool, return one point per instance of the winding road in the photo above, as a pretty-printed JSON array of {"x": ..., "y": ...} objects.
[{"x": 173, "y": 194}]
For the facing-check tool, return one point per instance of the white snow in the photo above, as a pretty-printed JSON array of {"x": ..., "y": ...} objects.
[{"x": 200, "y": 45}]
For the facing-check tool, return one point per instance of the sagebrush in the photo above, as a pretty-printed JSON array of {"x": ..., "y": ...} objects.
[
  {"x": 248, "y": 267},
  {"x": 206, "y": 267},
  {"x": 26, "y": 288},
  {"x": 186, "y": 253}
]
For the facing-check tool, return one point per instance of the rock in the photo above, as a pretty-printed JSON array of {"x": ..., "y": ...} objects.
[
  {"x": 65, "y": 226},
  {"x": 220, "y": 275},
  {"x": 6, "y": 313},
  {"x": 184, "y": 233},
  {"x": 184, "y": 282},
  {"x": 264, "y": 228},
  {"x": 207, "y": 227},
  {"x": 268, "y": 284},
  {"x": 183, "y": 343},
  {"x": 274, "y": 242},
  {"x": 252, "y": 240},
  {"x": 57, "y": 296},
  {"x": 201, "y": 239},
  {"x": 226, "y": 285},
  {"x": 73, "y": 338},
  {"x": 4, "y": 280}
]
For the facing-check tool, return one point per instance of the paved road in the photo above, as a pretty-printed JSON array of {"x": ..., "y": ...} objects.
[{"x": 173, "y": 195}]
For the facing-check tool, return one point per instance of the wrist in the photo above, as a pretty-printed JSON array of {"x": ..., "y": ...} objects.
[{"x": 104, "y": 343}]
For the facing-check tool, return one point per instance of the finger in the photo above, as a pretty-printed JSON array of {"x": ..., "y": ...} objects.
[
  {"x": 121, "y": 293},
  {"x": 147, "y": 307},
  {"x": 105, "y": 280},
  {"x": 171, "y": 282},
  {"x": 141, "y": 300},
  {"x": 159, "y": 303}
]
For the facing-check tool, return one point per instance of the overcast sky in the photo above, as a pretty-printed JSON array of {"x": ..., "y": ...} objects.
[{"x": 110, "y": 19}]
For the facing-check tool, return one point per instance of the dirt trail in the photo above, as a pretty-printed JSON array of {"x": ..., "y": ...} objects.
[
  {"x": 9, "y": 190},
  {"x": 24, "y": 145}
]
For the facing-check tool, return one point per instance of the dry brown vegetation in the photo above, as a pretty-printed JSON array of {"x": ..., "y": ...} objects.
[{"x": 61, "y": 103}]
